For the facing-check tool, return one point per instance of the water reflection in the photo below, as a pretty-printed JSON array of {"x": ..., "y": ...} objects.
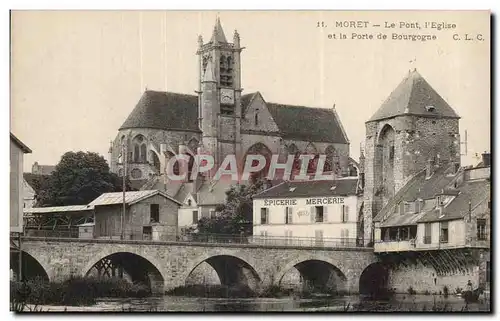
[{"x": 351, "y": 303}]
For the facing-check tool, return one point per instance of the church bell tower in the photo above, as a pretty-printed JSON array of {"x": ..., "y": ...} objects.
[{"x": 219, "y": 94}]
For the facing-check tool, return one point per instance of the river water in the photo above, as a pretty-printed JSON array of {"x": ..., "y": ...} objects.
[{"x": 345, "y": 303}]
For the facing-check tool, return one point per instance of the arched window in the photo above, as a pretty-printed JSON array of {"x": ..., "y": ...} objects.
[{"x": 140, "y": 149}]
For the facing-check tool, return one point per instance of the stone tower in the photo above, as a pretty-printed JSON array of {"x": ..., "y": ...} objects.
[
  {"x": 219, "y": 94},
  {"x": 413, "y": 126}
]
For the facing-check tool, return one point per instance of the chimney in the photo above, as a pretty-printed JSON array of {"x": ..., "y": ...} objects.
[
  {"x": 428, "y": 169},
  {"x": 486, "y": 159}
]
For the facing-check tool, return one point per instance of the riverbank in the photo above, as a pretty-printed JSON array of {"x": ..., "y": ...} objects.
[
  {"x": 72, "y": 292},
  {"x": 349, "y": 303}
]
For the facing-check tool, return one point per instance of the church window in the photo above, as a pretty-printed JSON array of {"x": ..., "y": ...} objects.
[
  {"x": 136, "y": 173},
  {"x": 256, "y": 117},
  {"x": 226, "y": 72},
  {"x": 391, "y": 152},
  {"x": 140, "y": 149}
]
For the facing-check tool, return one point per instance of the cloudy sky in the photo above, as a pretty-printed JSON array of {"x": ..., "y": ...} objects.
[{"x": 77, "y": 75}]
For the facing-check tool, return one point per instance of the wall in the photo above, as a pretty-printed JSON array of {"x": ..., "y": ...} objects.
[
  {"x": 301, "y": 225},
  {"x": 456, "y": 235},
  {"x": 16, "y": 188},
  {"x": 422, "y": 279},
  {"x": 185, "y": 215},
  {"x": 108, "y": 218}
]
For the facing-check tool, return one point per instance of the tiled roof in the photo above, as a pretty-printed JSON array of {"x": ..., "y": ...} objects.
[
  {"x": 418, "y": 188},
  {"x": 164, "y": 110},
  {"x": 476, "y": 192},
  {"x": 58, "y": 209},
  {"x": 213, "y": 193},
  {"x": 20, "y": 144},
  {"x": 412, "y": 96},
  {"x": 130, "y": 197},
  {"x": 172, "y": 111},
  {"x": 343, "y": 187},
  {"x": 307, "y": 123}
]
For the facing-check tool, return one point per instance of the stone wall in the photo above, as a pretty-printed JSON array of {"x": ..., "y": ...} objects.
[{"x": 422, "y": 279}]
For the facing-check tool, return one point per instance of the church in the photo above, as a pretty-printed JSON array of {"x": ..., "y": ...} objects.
[{"x": 220, "y": 120}]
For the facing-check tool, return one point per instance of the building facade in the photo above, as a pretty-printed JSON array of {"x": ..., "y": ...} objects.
[
  {"x": 219, "y": 120},
  {"x": 150, "y": 215},
  {"x": 318, "y": 212},
  {"x": 17, "y": 151}
]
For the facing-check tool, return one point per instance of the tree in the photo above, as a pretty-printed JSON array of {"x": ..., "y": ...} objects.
[
  {"x": 78, "y": 179},
  {"x": 235, "y": 217}
]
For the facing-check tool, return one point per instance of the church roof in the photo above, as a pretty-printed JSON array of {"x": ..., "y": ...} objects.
[
  {"x": 164, "y": 110},
  {"x": 173, "y": 111},
  {"x": 414, "y": 96},
  {"x": 307, "y": 123}
]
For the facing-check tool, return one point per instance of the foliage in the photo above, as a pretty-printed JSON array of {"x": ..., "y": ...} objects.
[
  {"x": 235, "y": 217},
  {"x": 458, "y": 290},
  {"x": 74, "y": 291},
  {"x": 78, "y": 179},
  {"x": 445, "y": 291}
]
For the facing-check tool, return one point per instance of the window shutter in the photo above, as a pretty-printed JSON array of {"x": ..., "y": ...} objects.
[
  {"x": 313, "y": 214},
  {"x": 346, "y": 233},
  {"x": 346, "y": 211},
  {"x": 325, "y": 214}
]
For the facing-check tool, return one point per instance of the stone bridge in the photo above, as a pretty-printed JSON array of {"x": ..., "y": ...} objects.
[{"x": 166, "y": 265}]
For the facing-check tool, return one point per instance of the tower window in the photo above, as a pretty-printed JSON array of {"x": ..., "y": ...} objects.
[
  {"x": 430, "y": 108},
  {"x": 391, "y": 152},
  {"x": 256, "y": 117}
]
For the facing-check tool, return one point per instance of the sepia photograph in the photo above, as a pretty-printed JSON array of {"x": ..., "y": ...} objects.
[{"x": 250, "y": 161}]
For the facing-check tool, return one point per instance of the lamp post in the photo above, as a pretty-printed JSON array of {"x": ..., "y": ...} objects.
[{"x": 124, "y": 157}]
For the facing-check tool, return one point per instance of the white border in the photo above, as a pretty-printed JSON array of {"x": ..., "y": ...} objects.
[{"x": 205, "y": 5}]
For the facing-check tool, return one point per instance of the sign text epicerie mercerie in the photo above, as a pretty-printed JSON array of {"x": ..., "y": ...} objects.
[{"x": 309, "y": 201}]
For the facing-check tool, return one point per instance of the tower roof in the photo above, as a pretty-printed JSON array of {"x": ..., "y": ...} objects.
[
  {"x": 218, "y": 34},
  {"x": 414, "y": 96}
]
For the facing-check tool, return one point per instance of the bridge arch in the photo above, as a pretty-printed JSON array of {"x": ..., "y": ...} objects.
[
  {"x": 315, "y": 273},
  {"x": 231, "y": 269},
  {"x": 135, "y": 267},
  {"x": 31, "y": 267},
  {"x": 373, "y": 280}
]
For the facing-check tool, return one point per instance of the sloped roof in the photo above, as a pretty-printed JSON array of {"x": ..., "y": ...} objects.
[
  {"x": 213, "y": 193},
  {"x": 20, "y": 144},
  {"x": 58, "y": 209},
  {"x": 476, "y": 192},
  {"x": 130, "y": 197},
  {"x": 164, "y": 110},
  {"x": 173, "y": 111},
  {"x": 307, "y": 123},
  {"x": 343, "y": 187},
  {"x": 412, "y": 96},
  {"x": 418, "y": 188}
]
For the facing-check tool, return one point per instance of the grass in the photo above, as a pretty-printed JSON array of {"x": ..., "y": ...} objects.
[{"x": 72, "y": 292}]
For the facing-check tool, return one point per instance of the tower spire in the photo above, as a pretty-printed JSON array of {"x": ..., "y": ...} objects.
[{"x": 218, "y": 34}]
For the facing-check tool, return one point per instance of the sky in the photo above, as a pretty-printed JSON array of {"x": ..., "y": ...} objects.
[{"x": 75, "y": 76}]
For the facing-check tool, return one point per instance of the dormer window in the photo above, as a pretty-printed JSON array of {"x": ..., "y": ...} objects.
[
  {"x": 430, "y": 108},
  {"x": 333, "y": 188},
  {"x": 292, "y": 189}
]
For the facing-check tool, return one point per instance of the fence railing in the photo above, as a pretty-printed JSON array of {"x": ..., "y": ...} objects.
[{"x": 206, "y": 238}]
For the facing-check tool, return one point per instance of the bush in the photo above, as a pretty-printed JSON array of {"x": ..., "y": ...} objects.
[
  {"x": 75, "y": 291},
  {"x": 411, "y": 291},
  {"x": 458, "y": 290}
]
